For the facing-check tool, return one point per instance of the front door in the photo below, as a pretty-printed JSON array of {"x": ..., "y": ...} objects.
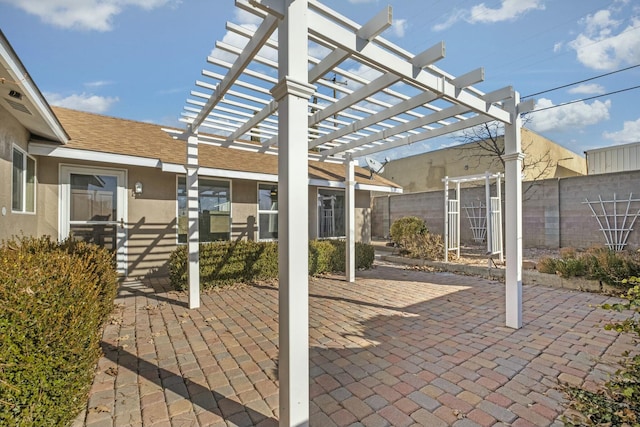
[{"x": 93, "y": 208}]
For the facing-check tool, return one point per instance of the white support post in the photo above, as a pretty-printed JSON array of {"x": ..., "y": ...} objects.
[
  {"x": 458, "y": 219},
  {"x": 499, "y": 222},
  {"x": 487, "y": 201},
  {"x": 193, "y": 218},
  {"x": 292, "y": 94},
  {"x": 350, "y": 249},
  {"x": 446, "y": 219},
  {"x": 513, "y": 197}
]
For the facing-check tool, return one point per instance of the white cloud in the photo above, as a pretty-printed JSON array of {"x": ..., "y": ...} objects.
[
  {"x": 630, "y": 133},
  {"x": 571, "y": 116},
  {"x": 588, "y": 89},
  {"x": 509, "y": 10},
  {"x": 82, "y": 102},
  {"x": 98, "y": 83},
  {"x": 399, "y": 27},
  {"x": 606, "y": 43},
  {"x": 83, "y": 14}
]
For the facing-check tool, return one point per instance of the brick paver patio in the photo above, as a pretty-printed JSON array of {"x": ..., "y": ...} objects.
[{"x": 398, "y": 348}]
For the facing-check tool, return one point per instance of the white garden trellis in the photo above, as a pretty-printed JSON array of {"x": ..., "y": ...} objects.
[
  {"x": 477, "y": 216},
  {"x": 616, "y": 223},
  {"x": 492, "y": 220}
]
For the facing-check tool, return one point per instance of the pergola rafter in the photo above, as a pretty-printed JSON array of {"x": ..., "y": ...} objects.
[{"x": 297, "y": 107}]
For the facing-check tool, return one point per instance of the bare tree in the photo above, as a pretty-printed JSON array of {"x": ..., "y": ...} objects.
[{"x": 484, "y": 145}]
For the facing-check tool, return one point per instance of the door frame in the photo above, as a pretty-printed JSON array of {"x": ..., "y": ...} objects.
[{"x": 65, "y": 171}]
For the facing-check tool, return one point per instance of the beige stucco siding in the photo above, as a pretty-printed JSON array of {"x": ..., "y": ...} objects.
[
  {"x": 12, "y": 224},
  {"x": 151, "y": 223},
  {"x": 244, "y": 210},
  {"x": 152, "y": 215}
]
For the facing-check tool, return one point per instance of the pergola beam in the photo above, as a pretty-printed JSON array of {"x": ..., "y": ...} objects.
[
  {"x": 417, "y": 123},
  {"x": 354, "y": 97},
  {"x": 443, "y": 130},
  {"x": 267, "y": 27},
  {"x": 322, "y": 27}
]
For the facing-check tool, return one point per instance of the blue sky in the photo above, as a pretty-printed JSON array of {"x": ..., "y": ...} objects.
[{"x": 138, "y": 59}]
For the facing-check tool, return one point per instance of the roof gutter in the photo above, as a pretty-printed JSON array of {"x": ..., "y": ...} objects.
[{"x": 49, "y": 150}]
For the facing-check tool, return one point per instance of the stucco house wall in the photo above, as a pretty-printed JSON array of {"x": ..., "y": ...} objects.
[
  {"x": 12, "y": 133},
  {"x": 151, "y": 221}
]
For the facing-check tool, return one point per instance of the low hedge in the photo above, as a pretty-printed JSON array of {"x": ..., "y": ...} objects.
[
  {"x": 54, "y": 299},
  {"x": 596, "y": 263},
  {"x": 225, "y": 263}
]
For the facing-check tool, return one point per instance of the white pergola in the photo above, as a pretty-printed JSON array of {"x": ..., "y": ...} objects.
[{"x": 299, "y": 107}]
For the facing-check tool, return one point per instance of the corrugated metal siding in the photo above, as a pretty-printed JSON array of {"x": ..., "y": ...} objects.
[{"x": 618, "y": 158}]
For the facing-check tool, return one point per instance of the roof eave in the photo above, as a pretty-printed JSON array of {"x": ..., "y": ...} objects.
[{"x": 17, "y": 71}]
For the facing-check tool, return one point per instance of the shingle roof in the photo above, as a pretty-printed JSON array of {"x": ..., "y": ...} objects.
[{"x": 104, "y": 134}]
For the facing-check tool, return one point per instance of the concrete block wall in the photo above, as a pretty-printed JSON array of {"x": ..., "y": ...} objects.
[
  {"x": 554, "y": 212},
  {"x": 578, "y": 226}
]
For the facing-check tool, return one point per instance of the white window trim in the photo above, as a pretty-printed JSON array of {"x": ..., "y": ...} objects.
[
  {"x": 200, "y": 179},
  {"x": 25, "y": 155},
  {"x": 318, "y": 216},
  {"x": 268, "y": 211}
]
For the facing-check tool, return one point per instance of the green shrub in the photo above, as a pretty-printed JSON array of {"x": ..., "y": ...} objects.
[
  {"x": 547, "y": 265},
  {"x": 404, "y": 229},
  {"x": 426, "y": 246},
  {"x": 224, "y": 263},
  {"x": 53, "y": 302},
  {"x": 610, "y": 266},
  {"x": 597, "y": 263},
  {"x": 617, "y": 403},
  {"x": 571, "y": 267},
  {"x": 411, "y": 235}
]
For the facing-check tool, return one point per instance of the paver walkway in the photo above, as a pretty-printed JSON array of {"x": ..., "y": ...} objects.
[{"x": 398, "y": 348}]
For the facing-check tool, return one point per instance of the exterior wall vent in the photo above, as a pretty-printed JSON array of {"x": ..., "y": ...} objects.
[{"x": 18, "y": 106}]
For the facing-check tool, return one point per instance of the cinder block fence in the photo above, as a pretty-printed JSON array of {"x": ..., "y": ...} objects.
[{"x": 554, "y": 213}]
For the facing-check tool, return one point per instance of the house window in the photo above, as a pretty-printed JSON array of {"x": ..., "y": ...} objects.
[
  {"x": 331, "y": 213},
  {"x": 214, "y": 208},
  {"x": 23, "y": 194},
  {"x": 267, "y": 211}
]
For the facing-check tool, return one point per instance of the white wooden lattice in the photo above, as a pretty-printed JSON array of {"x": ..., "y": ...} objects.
[
  {"x": 454, "y": 225},
  {"x": 495, "y": 215},
  {"x": 477, "y": 216},
  {"x": 615, "y": 219}
]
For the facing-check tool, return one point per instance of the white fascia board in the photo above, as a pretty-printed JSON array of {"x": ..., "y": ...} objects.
[
  {"x": 92, "y": 156},
  {"x": 21, "y": 77},
  {"x": 379, "y": 188},
  {"x": 224, "y": 173},
  {"x": 221, "y": 173},
  {"x": 358, "y": 186}
]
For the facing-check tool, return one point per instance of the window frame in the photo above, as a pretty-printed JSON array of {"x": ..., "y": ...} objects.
[
  {"x": 200, "y": 180},
  {"x": 344, "y": 213},
  {"x": 266, "y": 212},
  {"x": 24, "y": 179}
]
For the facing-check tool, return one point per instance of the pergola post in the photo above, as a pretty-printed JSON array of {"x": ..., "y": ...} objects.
[
  {"x": 292, "y": 94},
  {"x": 350, "y": 232},
  {"x": 446, "y": 219},
  {"x": 513, "y": 199},
  {"x": 193, "y": 233}
]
